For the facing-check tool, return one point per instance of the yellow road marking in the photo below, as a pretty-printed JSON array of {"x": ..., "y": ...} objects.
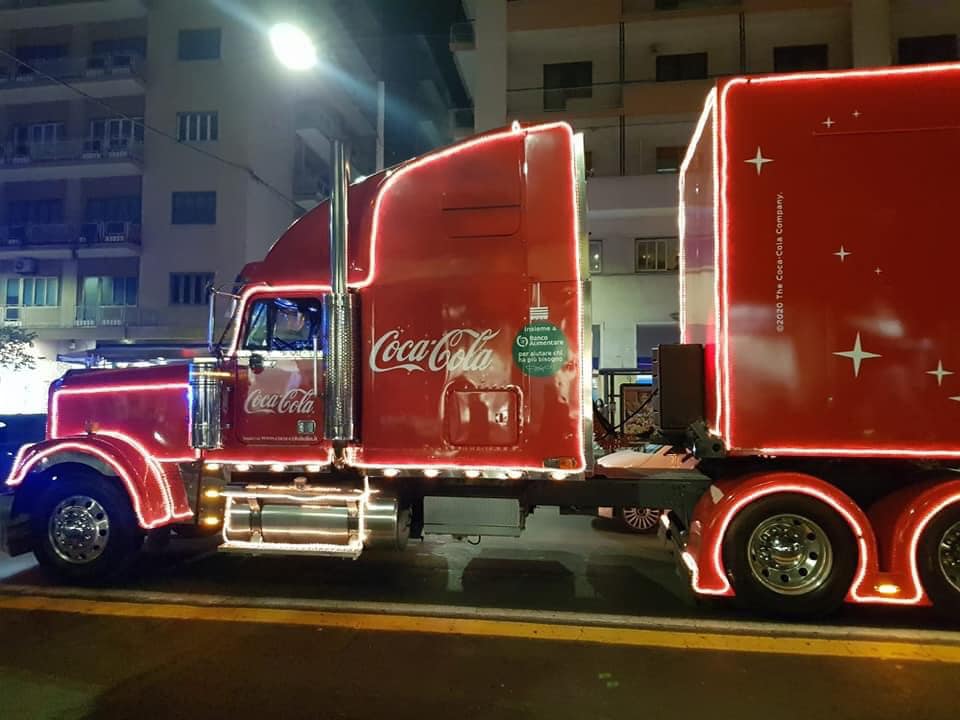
[{"x": 637, "y": 637}]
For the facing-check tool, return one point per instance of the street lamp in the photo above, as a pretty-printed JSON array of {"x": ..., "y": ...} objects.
[{"x": 293, "y": 47}]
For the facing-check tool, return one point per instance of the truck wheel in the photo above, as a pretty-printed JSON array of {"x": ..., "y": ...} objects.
[
  {"x": 939, "y": 561},
  {"x": 638, "y": 519},
  {"x": 84, "y": 529},
  {"x": 791, "y": 556}
]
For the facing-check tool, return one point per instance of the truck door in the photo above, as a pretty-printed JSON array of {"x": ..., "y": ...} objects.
[{"x": 279, "y": 366}]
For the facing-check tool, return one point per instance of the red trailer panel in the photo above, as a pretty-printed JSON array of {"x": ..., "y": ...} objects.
[{"x": 815, "y": 238}]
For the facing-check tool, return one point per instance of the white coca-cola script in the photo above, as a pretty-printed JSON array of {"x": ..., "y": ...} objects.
[
  {"x": 462, "y": 350},
  {"x": 293, "y": 402}
]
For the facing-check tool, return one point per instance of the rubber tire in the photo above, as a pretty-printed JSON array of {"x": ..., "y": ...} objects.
[
  {"x": 628, "y": 528},
  {"x": 945, "y": 597},
  {"x": 123, "y": 546},
  {"x": 753, "y": 596}
]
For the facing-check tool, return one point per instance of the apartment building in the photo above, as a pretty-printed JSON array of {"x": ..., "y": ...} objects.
[
  {"x": 632, "y": 75},
  {"x": 110, "y": 233}
]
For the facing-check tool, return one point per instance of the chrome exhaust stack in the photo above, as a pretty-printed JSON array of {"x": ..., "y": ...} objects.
[{"x": 340, "y": 316}]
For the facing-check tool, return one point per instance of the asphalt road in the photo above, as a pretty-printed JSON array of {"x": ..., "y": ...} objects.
[{"x": 187, "y": 648}]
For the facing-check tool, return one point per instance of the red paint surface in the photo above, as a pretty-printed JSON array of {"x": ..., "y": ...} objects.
[{"x": 876, "y": 181}]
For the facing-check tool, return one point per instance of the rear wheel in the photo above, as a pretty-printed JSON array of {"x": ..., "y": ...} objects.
[
  {"x": 939, "y": 561},
  {"x": 638, "y": 519},
  {"x": 791, "y": 556},
  {"x": 84, "y": 529}
]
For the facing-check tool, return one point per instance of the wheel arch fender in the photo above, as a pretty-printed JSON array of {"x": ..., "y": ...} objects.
[
  {"x": 713, "y": 516},
  {"x": 110, "y": 458},
  {"x": 917, "y": 511}
]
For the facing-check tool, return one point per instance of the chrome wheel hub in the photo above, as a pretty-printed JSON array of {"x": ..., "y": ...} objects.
[
  {"x": 790, "y": 554},
  {"x": 640, "y": 518},
  {"x": 79, "y": 529},
  {"x": 948, "y": 555}
]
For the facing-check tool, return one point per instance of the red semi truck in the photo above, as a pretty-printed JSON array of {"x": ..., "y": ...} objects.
[{"x": 427, "y": 370}]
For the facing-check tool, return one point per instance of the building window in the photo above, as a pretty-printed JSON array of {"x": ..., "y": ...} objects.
[
  {"x": 197, "y": 126},
  {"x": 596, "y": 256},
  {"x": 690, "y": 66},
  {"x": 651, "y": 335},
  {"x": 106, "y": 290},
  {"x": 929, "y": 49},
  {"x": 194, "y": 208},
  {"x": 189, "y": 288},
  {"x": 199, "y": 44},
  {"x": 37, "y": 134},
  {"x": 595, "y": 335},
  {"x": 46, "y": 211},
  {"x": 562, "y": 81},
  {"x": 669, "y": 158},
  {"x": 798, "y": 58},
  {"x": 656, "y": 254},
  {"x": 122, "y": 208},
  {"x": 113, "y": 47},
  {"x": 117, "y": 130},
  {"x": 33, "y": 292}
]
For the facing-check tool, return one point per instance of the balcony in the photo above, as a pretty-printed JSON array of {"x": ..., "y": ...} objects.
[
  {"x": 20, "y": 14},
  {"x": 644, "y": 7},
  {"x": 53, "y": 240},
  {"x": 97, "y": 76},
  {"x": 69, "y": 159},
  {"x": 583, "y": 101}
]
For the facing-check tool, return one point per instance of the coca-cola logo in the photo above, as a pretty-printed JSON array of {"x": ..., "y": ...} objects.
[
  {"x": 462, "y": 350},
  {"x": 293, "y": 402}
]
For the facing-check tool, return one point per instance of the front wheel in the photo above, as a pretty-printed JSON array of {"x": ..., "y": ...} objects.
[
  {"x": 938, "y": 558},
  {"x": 790, "y": 556},
  {"x": 84, "y": 529}
]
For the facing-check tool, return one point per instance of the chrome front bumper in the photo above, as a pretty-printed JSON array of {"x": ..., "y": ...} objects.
[{"x": 6, "y": 505}]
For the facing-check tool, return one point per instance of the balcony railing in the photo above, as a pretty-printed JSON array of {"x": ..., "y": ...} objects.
[
  {"x": 62, "y": 151},
  {"x": 645, "y": 6},
  {"x": 73, "y": 68},
  {"x": 39, "y": 235},
  {"x": 463, "y": 36},
  {"x": 607, "y": 96}
]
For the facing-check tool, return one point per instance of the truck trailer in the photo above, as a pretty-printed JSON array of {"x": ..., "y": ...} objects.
[{"x": 412, "y": 357}]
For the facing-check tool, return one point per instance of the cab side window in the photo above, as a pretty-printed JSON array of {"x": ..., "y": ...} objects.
[{"x": 284, "y": 324}]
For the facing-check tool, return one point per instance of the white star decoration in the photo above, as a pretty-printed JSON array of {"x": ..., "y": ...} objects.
[
  {"x": 940, "y": 374},
  {"x": 857, "y": 113},
  {"x": 878, "y": 271},
  {"x": 858, "y": 355},
  {"x": 829, "y": 122},
  {"x": 842, "y": 254},
  {"x": 759, "y": 161}
]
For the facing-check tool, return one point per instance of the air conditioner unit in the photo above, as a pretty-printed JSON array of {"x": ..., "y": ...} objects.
[{"x": 24, "y": 266}]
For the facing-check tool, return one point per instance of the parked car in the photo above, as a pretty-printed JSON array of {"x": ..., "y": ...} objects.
[{"x": 647, "y": 457}]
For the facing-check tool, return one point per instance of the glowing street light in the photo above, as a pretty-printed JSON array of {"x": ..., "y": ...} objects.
[{"x": 293, "y": 47}]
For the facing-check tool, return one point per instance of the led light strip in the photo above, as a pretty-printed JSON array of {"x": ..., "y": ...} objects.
[
  {"x": 99, "y": 390},
  {"x": 717, "y": 550},
  {"x": 107, "y": 459}
]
